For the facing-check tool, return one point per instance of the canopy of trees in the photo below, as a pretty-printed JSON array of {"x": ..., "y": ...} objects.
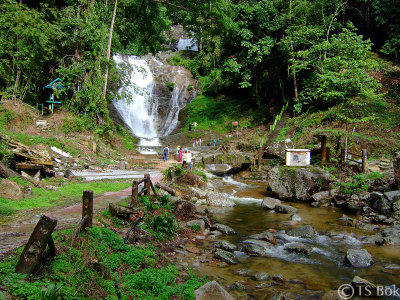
[{"x": 316, "y": 52}]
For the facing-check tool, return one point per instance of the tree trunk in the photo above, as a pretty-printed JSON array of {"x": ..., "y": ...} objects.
[
  {"x": 166, "y": 188},
  {"x": 109, "y": 49}
]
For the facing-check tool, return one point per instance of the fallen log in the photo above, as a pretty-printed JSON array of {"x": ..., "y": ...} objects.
[
  {"x": 121, "y": 212},
  {"x": 166, "y": 188}
]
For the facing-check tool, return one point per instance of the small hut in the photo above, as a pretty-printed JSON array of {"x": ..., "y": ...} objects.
[{"x": 53, "y": 102}]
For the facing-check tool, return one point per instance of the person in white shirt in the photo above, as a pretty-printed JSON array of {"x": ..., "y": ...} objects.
[{"x": 189, "y": 159}]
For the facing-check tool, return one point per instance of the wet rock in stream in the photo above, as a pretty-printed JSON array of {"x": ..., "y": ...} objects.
[
  {"x": 304, "y": 231},
  {"x": 269, "y": 203},
  {"x": 286, "y": 209},
  {"x": 226, "y": 256},
  {"x": 265, "y": 236},
  {"x": 260, "y": 276},
  {"x": 256, "y": 247},
  {"x": 358, "y": 258},
  {"x": 225, "y": 245},
  {"x": 223, "y": 228},
  {"x": 298, "y": 248}
]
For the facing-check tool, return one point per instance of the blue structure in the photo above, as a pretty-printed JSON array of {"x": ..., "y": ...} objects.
[{"x": 58, "y": 84}]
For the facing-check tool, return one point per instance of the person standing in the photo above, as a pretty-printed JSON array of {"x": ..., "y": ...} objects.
[
  {"x": 194, "y": 143},
  {"x": 214, "y": 141},
  {"x": 190, "y": 127},
  {"x": 189, "y": 160},
  {"x": 166, "y": 151},
  {"x": 195, "y": 126},
  {"x": 200, "y": 142},
  {"x": 180, "y": 155},
  {"x": 184, "y": 158}
]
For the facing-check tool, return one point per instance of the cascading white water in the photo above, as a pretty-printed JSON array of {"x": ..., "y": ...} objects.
[
  {"x": 135, "y": 98},
  {"x": 138, "y": 103},
  {"x": 188, "y": 44}
]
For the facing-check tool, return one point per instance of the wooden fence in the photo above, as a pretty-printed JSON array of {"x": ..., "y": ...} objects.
[{"x": 363, "y": 155}]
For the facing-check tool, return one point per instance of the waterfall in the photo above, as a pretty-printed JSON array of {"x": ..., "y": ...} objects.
[
  {"x": 142, "y": 102},
  {"x": 135, "y": 97},
  {"x": 188, "y": 44}
]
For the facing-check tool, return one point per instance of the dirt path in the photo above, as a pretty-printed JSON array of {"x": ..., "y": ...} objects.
[{"x": 16, "y": 232}]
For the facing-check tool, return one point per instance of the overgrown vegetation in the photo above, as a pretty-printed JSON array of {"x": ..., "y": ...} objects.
[
  {"x": 101, "y": 267},
  {"x": 359, "y": 182},
  {"x": 217, "y": 114}
]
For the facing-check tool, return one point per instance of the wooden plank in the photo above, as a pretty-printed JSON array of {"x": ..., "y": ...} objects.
[{"x": 34, "y": 249}]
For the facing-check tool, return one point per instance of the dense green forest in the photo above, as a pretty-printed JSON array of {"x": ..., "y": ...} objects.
[{"x": 313, "y": 53}]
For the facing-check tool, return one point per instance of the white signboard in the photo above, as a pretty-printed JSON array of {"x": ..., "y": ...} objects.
[{"x": 298, "y": 157}]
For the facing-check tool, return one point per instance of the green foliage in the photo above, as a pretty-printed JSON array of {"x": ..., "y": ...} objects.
[
  {"x": 6, "y": 155},
  {"x": 170, "y": 85},
  {"x": 201, "y": 174},
  {"x": 359, "y": 183},
  {"x": 195, "y": 227},
  {"x": 217, "y": 114},
  {"x": 128, "y": 140},
  {"x": 6, "y": 208},
  {"x": 163, "y": 224}
]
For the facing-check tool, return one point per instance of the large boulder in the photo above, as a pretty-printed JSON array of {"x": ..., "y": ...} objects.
[
  {"x": 269, "y": 203},
  {"x": 392, "y": 196},
  {"x": 297, "y": 183},
  {"x": 185, "y": 210},
  {"x": 279, "y": 148},
  {"x": 359, "y": 258},
  {"x": 212, "y": 291},
  {"x": 219, "y": 199},
  {"x": 256, "y": 247},
  {"x": 10, "y": 190}
]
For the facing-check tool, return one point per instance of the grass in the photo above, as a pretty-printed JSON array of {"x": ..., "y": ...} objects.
[
  {"x": 99, "y": 268},
  {"x": 65, "y": 194},
  {"x": 217, "y": 114}
]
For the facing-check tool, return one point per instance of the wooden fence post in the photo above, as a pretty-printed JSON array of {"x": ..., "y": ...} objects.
[
  {"x": 87, "y": 207},
  {"x": 134, "y": 196},
  {"x": 34, "y": 249},
  {"x": 364, "y": 161},
  {"x": 323, "y": 148},
  {"x": 147, "y": 185},
  {"x": 193, "y": 163},
  {"x": 396, "y": 168},
  {"x": 172, "y": 169}
]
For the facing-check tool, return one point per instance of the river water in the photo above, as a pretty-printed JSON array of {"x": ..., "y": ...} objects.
[{"x": 312, "y": 275}]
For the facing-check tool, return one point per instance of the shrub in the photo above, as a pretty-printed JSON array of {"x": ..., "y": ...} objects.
[
  {"x": 170, "y": 85},
  {"x": 359, "y": 182}
]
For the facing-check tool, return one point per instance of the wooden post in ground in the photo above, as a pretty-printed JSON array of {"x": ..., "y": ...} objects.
[
  {"x": 33, "y": 251},
  {"x": 172, "y": 169},
  {"x": 147, "y": 185},
  {"x": 364, "y": 161},
  {"x": 87, "y": 208},
  {"x": 396, "y": 168},
  {"x": 134, "y": 196},
  {"x": 323, "y": 148},
  {"x": 193, "y": 163}
]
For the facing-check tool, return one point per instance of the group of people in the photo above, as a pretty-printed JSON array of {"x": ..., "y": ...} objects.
[
  {"x": 197, "y": 142},
  {"x": 185, "y": 157},
  {"x": 194, "y": 126}
]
